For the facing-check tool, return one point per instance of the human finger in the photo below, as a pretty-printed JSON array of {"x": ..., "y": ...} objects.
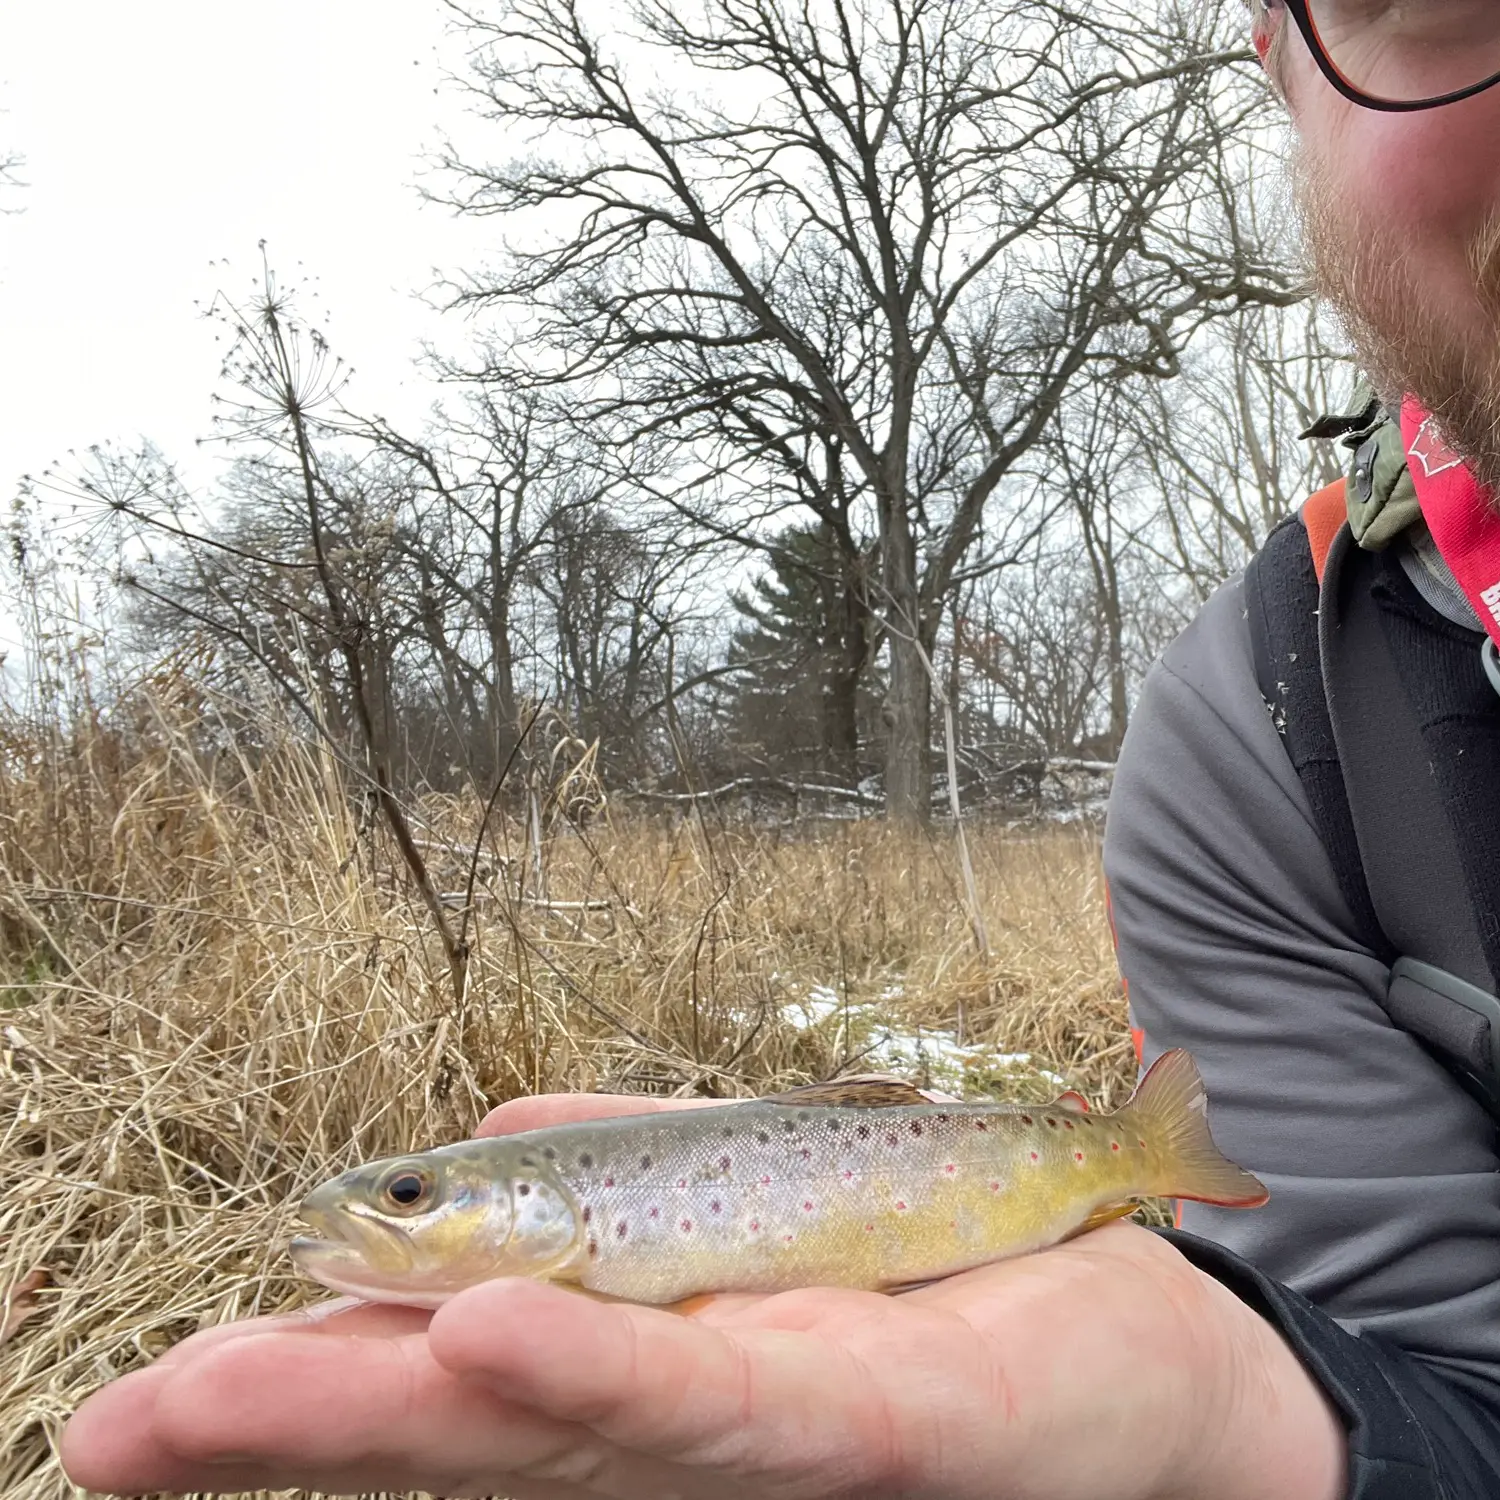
[
  {"x": 541, "y": 1110},
  {"x": 800, "y": 1414}
]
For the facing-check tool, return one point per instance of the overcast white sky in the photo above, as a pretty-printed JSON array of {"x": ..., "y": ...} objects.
[{"x": 164, "y": 138}]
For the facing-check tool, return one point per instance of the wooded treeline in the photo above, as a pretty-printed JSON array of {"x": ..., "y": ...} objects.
[{"x": 839, "y": 359}]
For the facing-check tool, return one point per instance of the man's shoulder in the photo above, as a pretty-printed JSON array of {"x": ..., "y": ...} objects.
[{"x": 1202, "y": 717}]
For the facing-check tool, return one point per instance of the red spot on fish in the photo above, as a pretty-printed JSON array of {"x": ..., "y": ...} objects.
[
  {"x": 892, "y": 1140},
  {"x": 1114, "y": 1145},
  {"x": 950, "y": 1168},
  {"x": 1035, "y": 1157},
  {"x": 723, "y": 1163},
  {"x": 1052, "y": 1122},
  {"x": 848, "y": 1174},
  {"x": 755, "y": 1226},
  {"x": 952, "y": 1223},
  {"x": 787, "y": 1238},
  {"x": 687, "y": 1226},
  {"x": 765, "y": 1182},
  {"x": 715, "y": 1206},
  {"x": 980, "y": 1125},
  {"x": 994, "y": 1187},
  {"x": 588, "y": 1213},
  {"x": 1078, "y": 1156},
  {"x": 1067, "y": 1124},
  {"x": 901, "y": 1207},
  {"x": 593, "y": 1247},
  {"x": 620, "y": 1229},
  {"x": 1026, "y": 1119},
  {"x": 654, "y": 1214},
  {"x": 869, "y": 1229},
  {"x": 1141, "y": 1144},
  {"x": 682, "y": 1182},
  {"x": 806, "y": 1153},
  {"x": 609, "y": 1182},
  {"x": 807, "y": 1208}
]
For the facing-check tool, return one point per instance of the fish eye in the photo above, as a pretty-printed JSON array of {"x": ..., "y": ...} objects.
[{"x": 406, "y": 1189}]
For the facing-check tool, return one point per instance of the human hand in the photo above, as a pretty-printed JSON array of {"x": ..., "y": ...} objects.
[{"x": 1106, "y": 1367}]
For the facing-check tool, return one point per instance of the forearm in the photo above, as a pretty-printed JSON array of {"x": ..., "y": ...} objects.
[{"x": 1325, "y": 1414}]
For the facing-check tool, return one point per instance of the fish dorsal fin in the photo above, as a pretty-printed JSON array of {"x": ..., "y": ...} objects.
[
  {"x": 865, "y": 1091},
  {"x": 1074, "y": 1101}
]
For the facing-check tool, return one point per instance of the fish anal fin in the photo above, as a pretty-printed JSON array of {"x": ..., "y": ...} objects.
[
  {"x": 865, "y": 1091},
  {"x": 1106, "y": 1215},
  {"x": 1074, "y": 1101}
]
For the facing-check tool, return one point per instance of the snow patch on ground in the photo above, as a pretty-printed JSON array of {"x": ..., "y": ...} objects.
[{"x": 930, "y": 1058}]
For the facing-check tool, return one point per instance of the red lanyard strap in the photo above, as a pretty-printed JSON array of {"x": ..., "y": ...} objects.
[{"x": 1460, "y": 513}]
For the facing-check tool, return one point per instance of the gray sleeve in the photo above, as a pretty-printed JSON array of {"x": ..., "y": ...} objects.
[{"x": 1235, "y": 943}]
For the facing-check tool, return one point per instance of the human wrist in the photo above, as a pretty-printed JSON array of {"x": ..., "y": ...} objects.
[{"x": 1262, "y": 1428}]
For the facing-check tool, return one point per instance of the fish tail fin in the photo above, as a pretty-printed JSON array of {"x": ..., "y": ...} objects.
[{"x": 1170, "y": 1106}]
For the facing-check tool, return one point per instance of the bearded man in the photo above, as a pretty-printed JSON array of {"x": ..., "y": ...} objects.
[{"x": 1302, "y": 898}]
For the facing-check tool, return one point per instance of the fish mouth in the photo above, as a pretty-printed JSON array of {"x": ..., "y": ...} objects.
[{"x": 352, "y": 1253}]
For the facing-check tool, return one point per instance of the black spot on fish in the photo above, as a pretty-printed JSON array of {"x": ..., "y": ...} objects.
[
  {"x": 523, "y": 1189},
  {"x": 645, "y": 1164},
  {"x": 803, "y": 1116},
  {"x": 893, "y": 1140},
  {"x": 942, "y": 1119},
  {"x": 763, "y": 1137},
  {"x": 550, "y": 1152},
  {"x": 1067, "y": 1124},
  {"x": 862, "y": 1131},
  {"x": 620, "y": 1229},
  {"x": 723, "y": 1163},
  {"x": 1052, "y": 1122},
  {"x": 585, "y": 1160},
  {"x": 1026, "y": 1119},
  {"x": 789, "y": 1126},
  {"x": 528, "y": 1161},
  {"x": 727, "y": 1133},
  {"x": 980, "y": 1125},
  {"x": 916, "y": 1127},
  {"x": 593, "y": 1247}
]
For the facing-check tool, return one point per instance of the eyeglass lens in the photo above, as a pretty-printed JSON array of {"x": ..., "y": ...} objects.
[{"x": 1408, "y": 50}]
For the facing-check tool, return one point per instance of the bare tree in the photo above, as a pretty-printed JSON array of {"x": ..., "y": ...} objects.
[
  {"x": 861, "y": 249},
  {"x": 1223, "y": 447}
]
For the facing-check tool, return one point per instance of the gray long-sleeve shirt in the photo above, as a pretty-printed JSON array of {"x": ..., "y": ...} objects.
[{"x": 1236, "y": 943}]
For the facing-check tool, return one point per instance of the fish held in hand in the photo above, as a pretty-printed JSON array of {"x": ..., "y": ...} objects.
[{"x": 861, "y": 1184}]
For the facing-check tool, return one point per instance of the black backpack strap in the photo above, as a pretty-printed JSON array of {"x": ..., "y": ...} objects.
[
  {"x": 1323, "y": 651},
  {"x": 1282, "y": 599}
]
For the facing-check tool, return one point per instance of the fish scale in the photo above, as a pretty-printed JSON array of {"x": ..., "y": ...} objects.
[{"x": 815, "y": 1188}]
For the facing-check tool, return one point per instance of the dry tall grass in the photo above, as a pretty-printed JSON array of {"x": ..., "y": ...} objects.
[{"x": 217, "y": 988}]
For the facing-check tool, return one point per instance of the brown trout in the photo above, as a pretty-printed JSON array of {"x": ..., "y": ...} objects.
[{"x": 857, "y": 1184}]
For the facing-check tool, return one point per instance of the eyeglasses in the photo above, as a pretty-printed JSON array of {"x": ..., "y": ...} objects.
[{"x": 1399, "y": 54}]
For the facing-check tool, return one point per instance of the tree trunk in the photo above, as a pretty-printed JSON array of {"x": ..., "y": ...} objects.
[{"x": 908, "y": 713}]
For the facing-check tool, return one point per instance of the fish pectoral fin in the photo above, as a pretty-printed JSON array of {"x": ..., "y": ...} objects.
[{"x": 866, "y": 1091}]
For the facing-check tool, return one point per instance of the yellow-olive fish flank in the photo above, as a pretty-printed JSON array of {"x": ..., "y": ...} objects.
[{"x": 837, "y": 1185}]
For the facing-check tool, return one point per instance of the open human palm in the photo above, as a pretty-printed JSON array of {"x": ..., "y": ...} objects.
[{"x": 1107, "y": 1367}]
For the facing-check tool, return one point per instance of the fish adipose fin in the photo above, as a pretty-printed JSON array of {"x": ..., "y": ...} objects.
[
  {"x": 1074, "y": 1101},
  {"x": 1171, "y": 1107},
  {"x": 868, "y": 1092}
]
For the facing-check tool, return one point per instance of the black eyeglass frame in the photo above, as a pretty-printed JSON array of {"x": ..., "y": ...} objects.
[{"x": 1306, "y": 25}]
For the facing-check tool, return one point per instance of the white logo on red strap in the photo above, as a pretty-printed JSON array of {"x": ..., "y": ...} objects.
[
  {"x": 1429, "y": 450},
  {"x": 1491, "y": 597}
]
